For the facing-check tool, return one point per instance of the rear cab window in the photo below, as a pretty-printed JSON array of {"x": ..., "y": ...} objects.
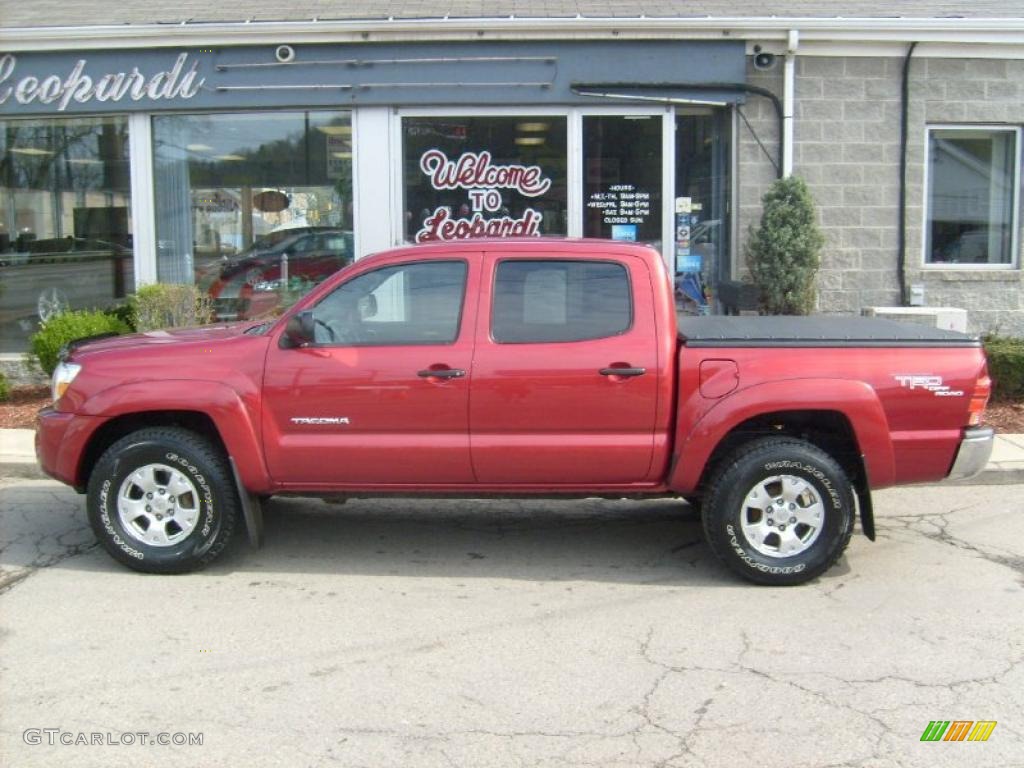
[{"x": 560, "y": 300}]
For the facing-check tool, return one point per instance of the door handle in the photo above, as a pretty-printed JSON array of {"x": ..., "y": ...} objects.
[
  {"x": 622, "y": 371},
  {"x": 442, "y": 373}
]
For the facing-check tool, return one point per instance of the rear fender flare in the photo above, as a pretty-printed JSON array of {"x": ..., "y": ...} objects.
[{"x": 856, "y": 400}]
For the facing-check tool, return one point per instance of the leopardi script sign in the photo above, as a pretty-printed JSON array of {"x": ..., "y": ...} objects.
[{"x": 180, "y": 81}]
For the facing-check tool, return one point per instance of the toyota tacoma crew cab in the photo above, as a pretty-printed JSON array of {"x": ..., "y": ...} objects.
[{"x": 530, "y": 368}]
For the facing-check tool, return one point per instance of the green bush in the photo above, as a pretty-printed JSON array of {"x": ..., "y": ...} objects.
[
  {"x": 170, "y": 305},
  {"x": 123, "y": 312},
  {"x": 68, "y": 326},
  {"x": 1006, "y": 367},
  {"x": 783, "y": 252},
  {"x": 5, "y": 388}
]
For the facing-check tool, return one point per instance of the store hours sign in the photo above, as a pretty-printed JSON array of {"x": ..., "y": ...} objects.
[{"x": 485, "y": 183}]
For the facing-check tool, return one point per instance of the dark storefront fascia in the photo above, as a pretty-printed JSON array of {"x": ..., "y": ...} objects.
[{"x": 209, "y": 165}]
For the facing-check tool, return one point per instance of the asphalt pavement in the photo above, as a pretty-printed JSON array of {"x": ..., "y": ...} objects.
[{"x": 498, "y": 633}]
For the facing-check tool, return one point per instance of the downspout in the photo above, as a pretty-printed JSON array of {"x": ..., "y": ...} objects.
[
  {"x": 901, "y": 252},
  {"x": 788, "y": 98}
]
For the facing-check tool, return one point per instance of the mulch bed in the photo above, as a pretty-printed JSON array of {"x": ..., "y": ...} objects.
[{"x": 19, "y": 412}]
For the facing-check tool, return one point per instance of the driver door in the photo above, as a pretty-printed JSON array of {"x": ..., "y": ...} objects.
[{"x": 382, "y": 396}]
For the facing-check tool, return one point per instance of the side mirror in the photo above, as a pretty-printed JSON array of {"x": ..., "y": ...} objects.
[
  {"x": 367, "y": 306},
  {"x": 299, "y": 330}
]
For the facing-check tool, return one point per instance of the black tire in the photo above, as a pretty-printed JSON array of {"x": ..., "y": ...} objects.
[
  {"x": 725, "y": 511},
  {"x": 215, "y": 503}
]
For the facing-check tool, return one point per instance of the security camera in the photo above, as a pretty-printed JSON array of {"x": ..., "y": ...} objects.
[
  {"x": 763, "y": 60},
  {"x": 284, "y": 53}
]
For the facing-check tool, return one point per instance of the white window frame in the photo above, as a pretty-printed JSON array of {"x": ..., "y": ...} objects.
[{"x": 1014, "y": 263}]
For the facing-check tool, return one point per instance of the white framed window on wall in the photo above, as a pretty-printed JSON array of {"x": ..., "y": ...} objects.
[
  {"x": 66, "y": 239},
  {"x": 972, "y": 183}
]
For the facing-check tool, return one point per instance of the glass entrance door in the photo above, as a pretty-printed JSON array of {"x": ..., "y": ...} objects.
[
  {"x": 623, "y": 164},
  {"x": 702, "y": 225}
]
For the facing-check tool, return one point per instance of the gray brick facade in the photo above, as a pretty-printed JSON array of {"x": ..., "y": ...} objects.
[{"x": 846, "y": 146}]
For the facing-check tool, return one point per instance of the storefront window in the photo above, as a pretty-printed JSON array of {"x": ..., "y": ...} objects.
[
  {"x": 256, "y": 208},
  {"x": 484, "y": 177},
  {"x": 65, "y": 220},
  {"x": 701, "y": 208},
  {"x": 622, "y": 167},
  {"x": 972, "y": 190}
]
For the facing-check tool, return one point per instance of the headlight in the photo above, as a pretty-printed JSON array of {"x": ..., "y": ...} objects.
[{"x": 63, "y": 375}]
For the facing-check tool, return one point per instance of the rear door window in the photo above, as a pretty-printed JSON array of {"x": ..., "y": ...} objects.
[{"x": 548, "y": 300}]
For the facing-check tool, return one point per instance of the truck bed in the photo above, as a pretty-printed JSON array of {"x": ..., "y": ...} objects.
[{"x": 816, "y": 331}]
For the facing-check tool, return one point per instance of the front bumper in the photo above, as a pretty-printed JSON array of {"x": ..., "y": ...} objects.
[
  {"x": 60, "y": 440},
  {"x": 973, "y": 454}
]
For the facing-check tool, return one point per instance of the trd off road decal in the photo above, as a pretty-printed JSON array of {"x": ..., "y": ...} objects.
[{"x": 927, "y": 382}]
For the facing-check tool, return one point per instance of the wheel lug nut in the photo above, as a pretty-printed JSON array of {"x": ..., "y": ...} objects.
[
  {"x": 792, "y": 520},
  {"x": 161, "y": 491},
  {"x": 782, "y": 526},
  {"x": 770, "y": 521},
  {"x": 149, "y": 495},
  {"x": 792, "y": 506},
  {"x": 149, "y": 508},
  {"x": 159, "y": 517},
  {"x": 170, "y": 499}
]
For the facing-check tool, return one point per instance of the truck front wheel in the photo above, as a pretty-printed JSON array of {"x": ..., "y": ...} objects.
[
  {"x": 161, "y": 500},
  {"x": 779, "y": 511}
]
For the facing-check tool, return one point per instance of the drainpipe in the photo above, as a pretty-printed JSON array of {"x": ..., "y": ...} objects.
[
  {"x": 788, "y": 97},
  {"x": 901, "y": 232}
]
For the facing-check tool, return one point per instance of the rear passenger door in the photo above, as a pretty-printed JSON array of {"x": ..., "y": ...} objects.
[{"x": 565, "y": 371}]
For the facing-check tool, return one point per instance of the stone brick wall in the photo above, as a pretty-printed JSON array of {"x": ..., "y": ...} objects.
[{"x": 846, "y": 146}]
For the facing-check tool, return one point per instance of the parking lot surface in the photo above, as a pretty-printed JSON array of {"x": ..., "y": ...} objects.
[{"x": 499, "y": 633}]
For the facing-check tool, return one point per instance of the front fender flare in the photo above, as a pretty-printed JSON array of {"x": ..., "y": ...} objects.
[{"x": 222, "y": 404}]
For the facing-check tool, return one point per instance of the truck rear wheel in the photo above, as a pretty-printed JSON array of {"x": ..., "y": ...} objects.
[
  {"x": 161, "y": 500},
  {"x": 779, "y": 511}
]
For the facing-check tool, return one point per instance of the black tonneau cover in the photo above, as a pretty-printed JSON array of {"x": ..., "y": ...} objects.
[{"x": 814, "y": 331}]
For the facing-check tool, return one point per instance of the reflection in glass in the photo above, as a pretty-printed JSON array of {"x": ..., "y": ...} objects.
[
  {"x": 65, "y": 220},
  {"x": 256, "y": 208},
  {"x": 701, "y": 208}
]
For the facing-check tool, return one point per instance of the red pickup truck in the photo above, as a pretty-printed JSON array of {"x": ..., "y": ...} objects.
[{"x": 533, "y": 367}]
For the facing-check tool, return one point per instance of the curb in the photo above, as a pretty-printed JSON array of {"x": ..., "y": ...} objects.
[
  {"x": 23, "y": 470},
  {"x": 992, "y": 477}
]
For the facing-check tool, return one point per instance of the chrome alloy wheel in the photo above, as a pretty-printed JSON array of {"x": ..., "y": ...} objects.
[
  {"x": 158, "y": 505},
  {"x": 782, "y": 516}
]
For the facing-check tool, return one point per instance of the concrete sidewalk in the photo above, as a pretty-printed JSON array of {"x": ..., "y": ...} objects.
[{"x": 1006, "y": 467}]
